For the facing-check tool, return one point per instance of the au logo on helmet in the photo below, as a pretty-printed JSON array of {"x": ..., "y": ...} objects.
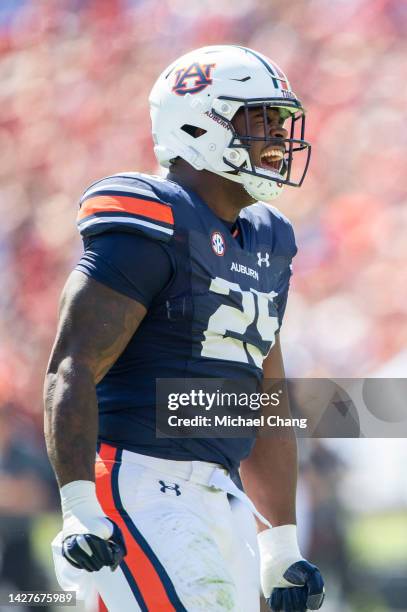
[{"x": 193, "y": 79}]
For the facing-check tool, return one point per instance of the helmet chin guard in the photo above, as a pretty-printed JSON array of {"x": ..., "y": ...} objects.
[
  {"x": 192, "y": 106},
  {"x": 263, "y": 189},
  {"x": 258, "y": 188}
]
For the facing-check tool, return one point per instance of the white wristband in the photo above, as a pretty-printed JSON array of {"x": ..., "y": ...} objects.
[
  {"x": 81, "y": 510},
  {"x": 279, "y": 549},
  {"x": 77, "y": 493}
]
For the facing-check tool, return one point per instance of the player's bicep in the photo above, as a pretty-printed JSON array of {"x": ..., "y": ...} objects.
[{"x": 95, "y": 324}]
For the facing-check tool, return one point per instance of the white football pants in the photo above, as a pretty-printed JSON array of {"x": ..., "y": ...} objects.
[{"x": 189, "y": 547}]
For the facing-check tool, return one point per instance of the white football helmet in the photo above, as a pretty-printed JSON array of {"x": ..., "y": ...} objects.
[{"x": 204, "y": 89}]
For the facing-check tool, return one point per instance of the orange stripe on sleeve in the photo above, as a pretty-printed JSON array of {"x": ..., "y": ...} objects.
[
  {"x": 146, "y": 208},
  {"x": 142, "y": 569}
]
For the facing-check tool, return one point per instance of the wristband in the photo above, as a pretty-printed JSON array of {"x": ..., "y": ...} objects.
[
  {"x": 81, "y": 510},
  {"x": 279, "y": 549}
]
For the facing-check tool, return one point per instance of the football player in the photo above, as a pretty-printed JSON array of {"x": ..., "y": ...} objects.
[{"x": 183, "y": 277}]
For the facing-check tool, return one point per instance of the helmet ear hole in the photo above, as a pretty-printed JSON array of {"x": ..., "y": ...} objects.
[{"x": 193, "y": 130}]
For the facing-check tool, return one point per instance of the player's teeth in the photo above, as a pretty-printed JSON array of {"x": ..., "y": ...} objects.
[{"x": 274, "y": 153}]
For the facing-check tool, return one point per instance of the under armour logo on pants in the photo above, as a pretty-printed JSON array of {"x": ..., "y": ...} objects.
[{"x": 171, "y": 487}]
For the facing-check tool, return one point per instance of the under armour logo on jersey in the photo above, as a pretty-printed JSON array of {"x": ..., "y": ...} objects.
[
  {"x": 171, "y": 487},
  {"x": 193, "y": 79},
  {"x": 263, "y": 260}
]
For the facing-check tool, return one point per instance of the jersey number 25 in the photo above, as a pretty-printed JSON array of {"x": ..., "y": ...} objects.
[{"x": 218, "y": 345}]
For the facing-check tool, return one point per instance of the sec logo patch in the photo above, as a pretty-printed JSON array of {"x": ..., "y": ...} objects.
[{"x": 218, "y": 244}]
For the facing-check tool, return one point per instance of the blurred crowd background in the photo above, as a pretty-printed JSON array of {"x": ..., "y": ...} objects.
[{"x": 74, "y": 82}]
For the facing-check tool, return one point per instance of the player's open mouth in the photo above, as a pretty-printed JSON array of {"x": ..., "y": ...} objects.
[{"x": 271, "y": 158}]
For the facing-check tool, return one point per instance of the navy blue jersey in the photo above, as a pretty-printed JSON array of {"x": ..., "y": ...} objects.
[
  {"x": 213, "y": 312},
  {"x": 128, "y": 263}
]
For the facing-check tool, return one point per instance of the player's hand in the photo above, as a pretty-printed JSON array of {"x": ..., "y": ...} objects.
[
  {"x": 305, "y": 590},
  {"x": 289, "y": 582},
  {"x": 90, "y": 539},
  {"x": 90, "y": 552}
]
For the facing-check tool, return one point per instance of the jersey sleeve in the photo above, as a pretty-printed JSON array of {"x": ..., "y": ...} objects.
[
  {"x": 125, "y": 204},
  {"x": 281, "y": 299},
  {"x": 284, "y": 247},
  {"x": 118, "y": 260}
]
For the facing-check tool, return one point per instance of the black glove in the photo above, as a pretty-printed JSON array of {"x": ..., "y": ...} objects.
[
  {"x": 308, "y": 595},
  {"x": 91, "y": 553}
]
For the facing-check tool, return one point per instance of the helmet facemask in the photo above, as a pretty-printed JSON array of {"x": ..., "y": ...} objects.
[{"x": 267, "y": 183}]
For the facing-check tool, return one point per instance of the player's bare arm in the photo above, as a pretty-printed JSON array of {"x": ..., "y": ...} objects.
[
  {"x": 269, "y": 474},
  {"x": 95, "y": 326}
]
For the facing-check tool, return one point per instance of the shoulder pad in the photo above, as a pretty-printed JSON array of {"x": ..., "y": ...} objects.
[
  {"x": 125, "y": 202},
  {"x": 277, "y": 225}
]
